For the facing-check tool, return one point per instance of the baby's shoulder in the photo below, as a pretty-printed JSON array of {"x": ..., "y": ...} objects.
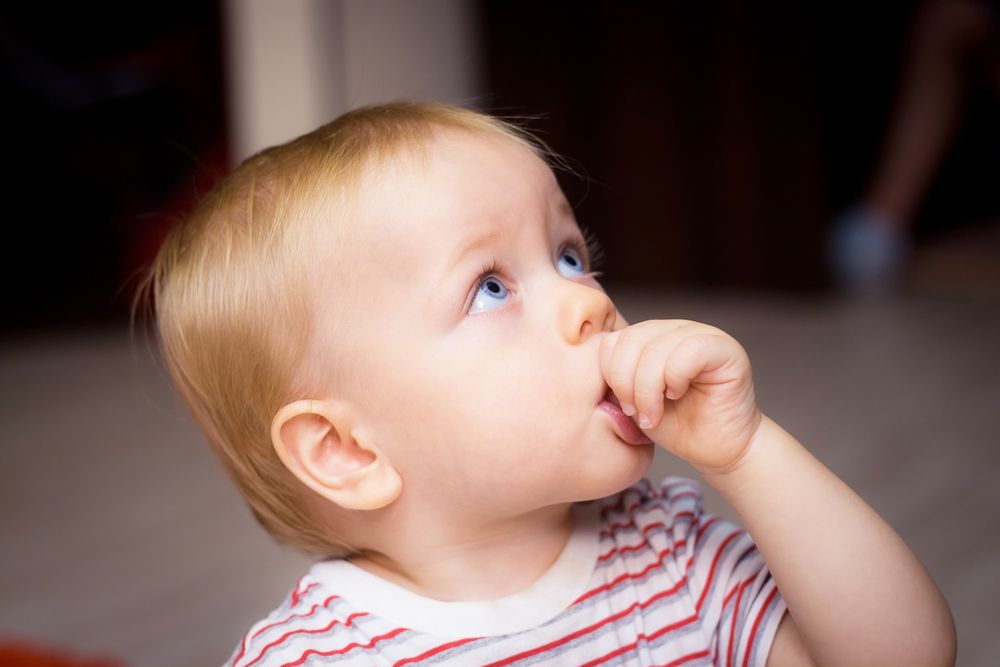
[{"x": 311, "y": 615}]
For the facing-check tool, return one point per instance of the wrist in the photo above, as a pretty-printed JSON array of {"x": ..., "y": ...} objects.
[{"x": 753, "y": 461}]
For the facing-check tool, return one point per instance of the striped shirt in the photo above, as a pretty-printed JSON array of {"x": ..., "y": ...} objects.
[{"x": 646, "y": 578}]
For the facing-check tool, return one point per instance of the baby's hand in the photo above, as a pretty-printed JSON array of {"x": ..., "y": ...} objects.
[{"x": 710, "y": 413}]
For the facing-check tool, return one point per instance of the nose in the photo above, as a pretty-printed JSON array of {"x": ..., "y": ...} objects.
[{"x": 584, "y": 311}]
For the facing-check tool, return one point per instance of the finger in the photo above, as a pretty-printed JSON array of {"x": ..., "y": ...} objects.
[
  {"x": 650, "y": 377},
  {"x": 624, "y": 360},
  {"x": 650, "y": 382},
  {"x": 694, "y": 355}
]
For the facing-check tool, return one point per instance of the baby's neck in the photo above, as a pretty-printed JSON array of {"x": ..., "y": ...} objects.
[{"x": 497, "y": 561}]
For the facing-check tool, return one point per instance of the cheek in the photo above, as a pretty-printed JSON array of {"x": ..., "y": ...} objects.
[
  {"x": 462, "y": 408},
  {"x": 517, "y": 411},
  {"x": 490, "y": 403}
]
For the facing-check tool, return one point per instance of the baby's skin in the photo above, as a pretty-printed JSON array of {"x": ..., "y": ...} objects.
[
  {"x": 856, "y": 594},
  {"x": 710, "y": 415}
]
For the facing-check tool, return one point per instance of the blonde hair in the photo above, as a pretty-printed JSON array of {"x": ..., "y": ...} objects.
[{"x": 230, "y": 291}]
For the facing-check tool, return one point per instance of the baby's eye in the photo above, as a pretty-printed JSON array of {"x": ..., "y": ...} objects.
[
  {"x": 574, "y": 260},
  {"x": 489, "y": 290}
]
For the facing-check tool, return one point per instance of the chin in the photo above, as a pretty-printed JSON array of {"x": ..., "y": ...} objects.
[
  {"x": 609, "y": 480},
  {"x": 642, "y": 467}
]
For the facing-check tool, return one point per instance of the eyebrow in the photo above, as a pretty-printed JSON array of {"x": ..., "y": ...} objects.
[
  {"x": 491, "y": 237},
  {"x": 474, "y": 246}
]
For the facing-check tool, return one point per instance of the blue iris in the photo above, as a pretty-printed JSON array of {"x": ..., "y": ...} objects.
[{"x": 491, "y": 289}]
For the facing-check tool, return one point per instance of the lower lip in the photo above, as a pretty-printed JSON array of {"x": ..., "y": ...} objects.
[{"x": 625, "y": 427}]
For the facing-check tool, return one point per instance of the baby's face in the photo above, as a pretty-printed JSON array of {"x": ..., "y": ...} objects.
[{"x": 482, "y": 386}]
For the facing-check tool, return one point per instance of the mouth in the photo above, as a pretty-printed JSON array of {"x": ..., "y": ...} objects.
[
  {"x": 624, "y": 426},
  {"x": 610, "y": 397}
]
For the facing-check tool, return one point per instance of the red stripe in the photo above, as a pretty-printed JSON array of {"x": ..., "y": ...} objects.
[
  {"x": 673, "y": 663},
  {"x": 626, "y": 549},
  {"x": 612, "y": 528},
  {"x": 704, "y": 526},
  {"x": 619, "y": 503},
  {"x": 615, "y": 527},
  {"x": 642, "y": 636},
  {"x": 628, "y": 575},
  {"x": 731, "y": 593},
  {"x": 635, "y": 547},
  {"x": 684, "y": 494},
  {"x": 657, "y": 562},
  {"x": 645, "y": 489},
  {"x": 305, "y": 656},
  {"x": 741, "y": 586},
  {"x": 305, "y": 631},
  {"x": 732, "y": 626},
  {"x": 686, "y": 658},
  {"x": 676, "y": 483},
  {"x": 658, "y": 524},
  {"x": 299, "y": 593},
  {"x": 677, "y": 496},
  {"x": 435, "y": 651},
  {"x": 711, "y": 571},
  {"x": 691, "y": 560},
  {"x": 622, "y": 551},
  {"x": 597, "y": 626},
  {"x": 243, "y": 644},
  {"x": 756, "y": 624},
  {"x": 694, "y": 553}
]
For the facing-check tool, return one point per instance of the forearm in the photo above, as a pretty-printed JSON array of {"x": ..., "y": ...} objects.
[{"x": 857, "y": 594}]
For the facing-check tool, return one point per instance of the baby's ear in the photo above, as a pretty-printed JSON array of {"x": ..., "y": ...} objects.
[{"x": 315, "y": 441}]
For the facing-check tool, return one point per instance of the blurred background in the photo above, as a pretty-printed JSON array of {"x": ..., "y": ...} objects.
[{"x": 821, "y": 180}]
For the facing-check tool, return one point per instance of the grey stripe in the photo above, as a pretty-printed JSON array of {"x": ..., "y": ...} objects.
[
  {"x": 375, "y": 651},
  {"x": 488, "y": 645},
  {"x": 357, "y": 625},
  {"x": 295, "y": 623},
  {"x": 722, "y": 557},
  {"x": 632, "y": 619},
  {"x": 745, "y": 604},
  {"x": 633, "y": 657},
  {"x": 770, "y": 610}
]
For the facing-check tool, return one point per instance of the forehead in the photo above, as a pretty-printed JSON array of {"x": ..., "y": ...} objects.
[
  {"x": 459, "y": 179},
  {"x": 460, "y": 185}
]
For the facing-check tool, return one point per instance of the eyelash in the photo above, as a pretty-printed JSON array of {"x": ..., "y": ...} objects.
[{"x": 589, "y": 250}]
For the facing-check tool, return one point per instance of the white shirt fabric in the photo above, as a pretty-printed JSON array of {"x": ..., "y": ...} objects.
[{"x": 646, "y": 578}]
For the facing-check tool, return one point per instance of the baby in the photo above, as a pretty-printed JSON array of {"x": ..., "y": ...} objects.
[{"x": 391, "y": 332}]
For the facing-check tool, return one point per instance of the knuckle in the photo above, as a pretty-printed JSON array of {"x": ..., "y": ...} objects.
[
  {"x": 658, "y": 348},
  {"x": 629, "y": 336},
  {"x": 718, "y": 331},
  {"x": 694, "y": 344},
  {"x": 619, "y": 379}
]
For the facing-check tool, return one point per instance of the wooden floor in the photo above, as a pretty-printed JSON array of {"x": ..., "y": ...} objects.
[{"x": 121, "y": 536}]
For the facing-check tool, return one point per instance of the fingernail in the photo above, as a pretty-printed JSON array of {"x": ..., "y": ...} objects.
[
  {"x": 628, "y": 409},
  {"x": 644, "y": 421}
]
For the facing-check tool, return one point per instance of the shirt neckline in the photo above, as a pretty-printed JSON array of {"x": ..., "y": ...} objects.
[{"x": 565, "y": 580}]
